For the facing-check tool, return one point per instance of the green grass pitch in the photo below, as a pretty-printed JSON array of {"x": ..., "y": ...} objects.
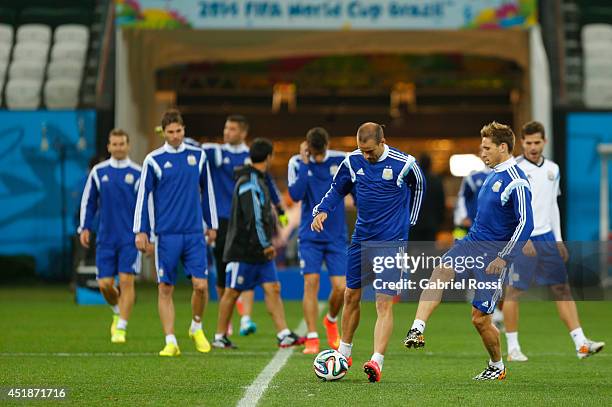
[{"x": 48, "y": 341}]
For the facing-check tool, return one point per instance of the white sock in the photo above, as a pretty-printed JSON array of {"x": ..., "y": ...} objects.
[
  {"x": 378, "y": 358},
  {"x": 115, "y": 309},
  {"x": 512, "y": 339},
  {"x": 283, "y": 333},
  {"x": 418, "y": 324},
  {"x": 122, "y": 324},
  {"x": 312, "y": 335},
  {"x": 195, "y": 325},
  {"x": 171, "y": 339},
  {"x": 499, "y": 365},
  {"x": 245, "y": 320},
  {"x": 578, "y": 337},
  {"x": 332, "y": 319},
  {"x": 345, "y": 349},
  {"x": 218, "y": 336}
]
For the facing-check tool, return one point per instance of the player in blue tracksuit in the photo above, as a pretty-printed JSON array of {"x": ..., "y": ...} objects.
[
  {"x": 223, "y": 160},
  {"x": 502, "y": 226},
  {"x": 310, "y": 174},
  {"x": 176, "y": 203},
  {"x": 389, "y": 186},
  {"x": 110, "y": 193}
]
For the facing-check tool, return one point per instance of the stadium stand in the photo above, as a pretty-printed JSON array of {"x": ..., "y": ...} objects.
[{"x": 42, "y": 45}]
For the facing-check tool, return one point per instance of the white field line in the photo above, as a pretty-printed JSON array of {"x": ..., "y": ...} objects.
[{"x": 259, "y": 386}]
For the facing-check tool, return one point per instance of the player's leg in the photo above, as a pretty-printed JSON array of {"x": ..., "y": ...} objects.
[
  {"x": 335, "y": 260},
  {"x": 196, "y": 267},
  {"x": 218, "y": 254},
  {"x": 246, "y": 299},
  {"x": 168, "y": 249},
  {"x": 382, "y": 332},
  {"x": 351, "y": 312},
  {"x": 265, "y": 275},
  {"x": 106, "y": 265},
  {"x": 490, "y": 338},
  {"x": 428, "y": 302},
  {"x": 129, "y": 262},
  {"x": 226, "y": 309},
  {"x": 311, "y": 261},
  {"x": 511, "y": 322}
]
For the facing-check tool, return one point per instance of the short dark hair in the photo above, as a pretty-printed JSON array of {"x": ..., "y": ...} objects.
[
  {"x": 120, "y": 133},
  {"x": 317, "y": 139},
  {"x": 499, "y": 133},
  {"x": 260, "y": 149},
  {"x": 240, "y": 119},
  {"x": 171, "y": 116},
  {"x": 532, "y": 127},
  {"x": 369, "y": 131}
]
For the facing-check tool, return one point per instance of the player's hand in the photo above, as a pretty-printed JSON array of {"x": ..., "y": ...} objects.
[
  {"x": 529, "y": 249},
  {"x": 496, "y": 266},
  {"x": 317, "y": 222},
  {"x": 84, "y": 238},
  {"x": 150, "y": 250},
  {"x": 466, "y": 223},
  {"x": 142, "y": 242},
  {"x": 563, "y": 251},
  {"x": 269, "y": 252},
  {"x": 304, "y": 153},
  {"x": 211, "y": 236}
]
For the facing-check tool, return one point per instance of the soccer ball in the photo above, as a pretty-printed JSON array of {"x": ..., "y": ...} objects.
[{"x": 330, "y": 365}]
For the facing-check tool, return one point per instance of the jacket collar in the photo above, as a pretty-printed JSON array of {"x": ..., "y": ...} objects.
[
  {"x": 169, "y": 149},
  {"x": 501, "y": 167},
  {"x": 119, "y": 163}
]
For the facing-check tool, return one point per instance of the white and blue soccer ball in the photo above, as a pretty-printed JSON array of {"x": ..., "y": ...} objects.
[{"x": 330, "y": 365}]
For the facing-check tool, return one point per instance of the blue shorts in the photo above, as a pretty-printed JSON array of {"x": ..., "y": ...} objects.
[
  {"x": 112, "y": 259},
  {"x": 470, "y": 257},
  {"x": 362, "y": 271},
  {"x": 189, "y": 248},
  {"x": 547, "y": 268},
  {"x": 312, "y": 254},
  {"x": 245, "y": 276}
]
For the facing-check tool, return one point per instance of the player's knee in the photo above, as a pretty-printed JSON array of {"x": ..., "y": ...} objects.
[
  {"x": 351, "y": 297},
  {"x": 383, "y": 306},
  {"x": 442, "y": 274},
  {"x": 480, "y": 321},
  {"x": 200, "y": 287},
  {"x": 105, "y": 285},
  {"x": 165, "y": 290},
  {"x": 272, "y": 289},
  {"x": 311, "y": 285},
  {"x": 561, "y": 292}
]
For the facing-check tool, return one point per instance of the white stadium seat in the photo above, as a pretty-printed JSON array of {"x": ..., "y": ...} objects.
[
  {"x": 62, "y": 93},
  {"x": 34, "y": 33},
  {"x": 5, "y": 51},
  {"x": 6, "y": 34},
  {"x": 25, "y": 69},
  {"x": 22, "y": 94},
  {"x": 72, "y": 33},
  {"x": 68, "y": 50},
  {"x": 596, "y": 33},
  {"x": 3, "y": 68},
  {"x": 65, "y": 69},
  {"x": 31, "y": 51}
]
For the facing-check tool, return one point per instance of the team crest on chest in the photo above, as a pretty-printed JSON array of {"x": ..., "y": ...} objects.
[
  {"x": 247, "y": 161},
  {"x": 551, "y": 175},
  {"x": 387, "y": 173},
  {"x": 191, "y": 160},
  {"x": 226, "y": 160},
  {"x": 332, "y": 170},
  {"x": 129, "y": 178},
  {"x": 496, "y": 186}
]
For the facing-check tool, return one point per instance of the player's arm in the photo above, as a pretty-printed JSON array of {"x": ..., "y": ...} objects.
[
  {"x": 341, "y": 185},
  {"x": 555, "y": 216},
  {"x": 252, "y": 210},
  {"x": 297, "y": 178},
  {"x": 415, "y": 180},
  {"x": 520, "y": 199},
  {"x": 209, "y": 207},
  {"x": 89, "y": 208},
  {"x": 142, "y": 228}
]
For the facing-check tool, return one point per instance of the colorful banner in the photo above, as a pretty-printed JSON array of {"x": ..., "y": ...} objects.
[{"x": 326, "y": 15}]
